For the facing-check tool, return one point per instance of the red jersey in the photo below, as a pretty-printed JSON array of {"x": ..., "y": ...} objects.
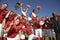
[
  {"x": 36, "y": 23},
  {"x": 47, "y": 25},
  {"x": 13, "y": 30},
  {"x": 2, "y": 14},
  {"x": 23, "y": 21},
  {"x": 7, "y": 24},
  {"x": 28, "y": 30},
  {"x": 11, "y": 17}
]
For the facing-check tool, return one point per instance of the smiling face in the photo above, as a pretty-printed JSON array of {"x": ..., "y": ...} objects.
[
  {"x": 17, "y": 21},
  {"x": 48, "y": 18}
]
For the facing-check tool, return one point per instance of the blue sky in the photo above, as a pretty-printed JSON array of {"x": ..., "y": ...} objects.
[{"x": 47, "y": 6}]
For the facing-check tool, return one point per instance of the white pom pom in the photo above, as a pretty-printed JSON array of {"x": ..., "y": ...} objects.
[
  {"x": 23, "y": 26},
  {"x": 22, "y": 36},
  {"x": 41, "y": 22},
  {"x": 29, "y": 18}
]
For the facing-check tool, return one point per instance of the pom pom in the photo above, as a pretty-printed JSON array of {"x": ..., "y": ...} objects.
[
  {"x": 41, "y": 23},
  {"x": 38, "y": 7}
]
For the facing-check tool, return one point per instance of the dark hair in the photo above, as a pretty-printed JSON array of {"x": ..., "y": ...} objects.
[
  {"x": 54, "y": 14},
  {"x": 34, "y": 10}
]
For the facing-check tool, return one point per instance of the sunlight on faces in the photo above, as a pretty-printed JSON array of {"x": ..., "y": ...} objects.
[
  {"x": 17, "y": 21},
  {"x": 4, "y": 6},
  {"x": 47, "y": 17}
]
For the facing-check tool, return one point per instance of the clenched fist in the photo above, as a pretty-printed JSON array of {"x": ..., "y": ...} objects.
[{"x": 28, "y": 6}]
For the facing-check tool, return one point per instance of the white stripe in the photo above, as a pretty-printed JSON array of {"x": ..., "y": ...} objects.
[
  {"x": 22, "y": 36},
  {"x": 33, "y": 14},
  {"x": 24, "y": 13},
  {"x": 16, "y": 38}
]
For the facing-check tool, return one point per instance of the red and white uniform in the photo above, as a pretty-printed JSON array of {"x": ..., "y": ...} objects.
[
  {"x": 22, "y": 35},
  {"x": 8, "y": 21},
  {"x": 47, "y": 25},
  {"x": 11, "y": 17},
  {"x": 2, "y": 16},
  {"x": 38, "y": 25},
  {"x": 29, "y": 31},
  {"x": 23, "y": 13},
  {"x": 23, "y": 21},
  {"x": 48, "y": 28},
  {"x": 33, "y": 14},
  {"x": 13, "y": 32}
]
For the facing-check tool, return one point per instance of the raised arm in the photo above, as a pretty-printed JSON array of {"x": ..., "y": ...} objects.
[
  {"x": 3, "y": 23},
  {"x": 21, "y": 9},
  {"x": 7, "y": 14},
  {"x": 21, "y": 5},
  {"x": 4, "y": 20},
  {"x": 7, "y": 29},
  {"x": 28, "y": 6}
]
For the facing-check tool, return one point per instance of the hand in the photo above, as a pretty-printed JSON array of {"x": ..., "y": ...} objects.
[
  {"x": 11, "y": 23},
  {"x": 28, "y": 6},
  {"x": 21, "y": 4}
]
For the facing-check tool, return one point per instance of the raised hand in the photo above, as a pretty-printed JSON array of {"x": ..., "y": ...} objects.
[
  {"x": 28, "y": 6},
  {"x": 21, "y": 4}
]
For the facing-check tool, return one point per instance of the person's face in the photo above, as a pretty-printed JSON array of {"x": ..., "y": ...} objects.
[
  {"x": 54, "y": 14},
  {"x": 17, "y": 21},
  {"x": 47, "y": 17},
  {"x": 11, "y": 13},
  {"x": 4, "y": 6}
]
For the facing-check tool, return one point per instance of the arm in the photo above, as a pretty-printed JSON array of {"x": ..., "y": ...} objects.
[
  {"x": 7, "y": 29},
  {"x": 4, "y": 22},
  {"x": 21, "y": 5},
  {"x": 28, "y": 6},
  {"x": 21, "y": 9},
  {"x": 26, "y": 10},
  {"x": 7, "y": 14},
  {"x": 18, "y": 27}
]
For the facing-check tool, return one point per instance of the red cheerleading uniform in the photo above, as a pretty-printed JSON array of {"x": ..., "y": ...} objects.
[{"x": 2, "y": 14}]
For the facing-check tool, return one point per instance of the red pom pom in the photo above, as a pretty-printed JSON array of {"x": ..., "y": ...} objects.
[
  {"x": 28, "y": 6},
  {"x": 38, "y": 7},
  {"x": 21, "y": 4}
]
